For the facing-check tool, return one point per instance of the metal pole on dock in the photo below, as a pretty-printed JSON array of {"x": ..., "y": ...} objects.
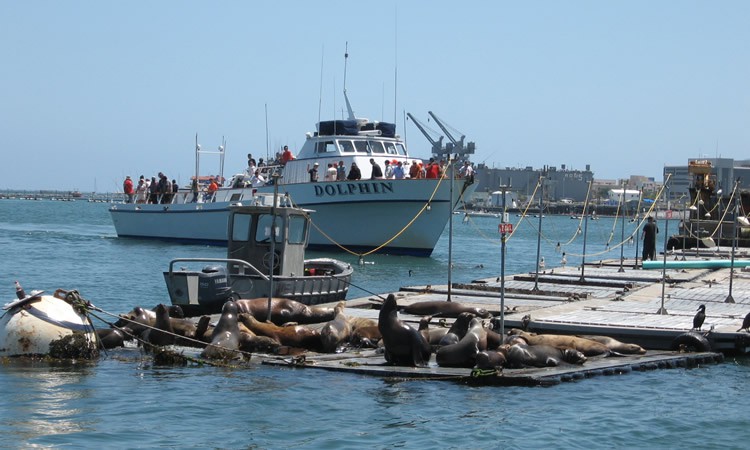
[
  {"x": 729, "y": 298},
  {"x": 585, "y": 231},
  {"x": 539, "y": 230},
  {"x": 667, "y": 216},
  {"x": 622, "y": 229},
  {"x": 637, "y": 227},
  {"x": 272, "y": 264},
  {"x": 503, "y": 231},
  {"x": 450, "y": 228}
]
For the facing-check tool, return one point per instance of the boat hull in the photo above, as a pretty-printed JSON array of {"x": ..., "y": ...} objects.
[
  {"x": 394, "y": 216},
  {"x": 204, "y": 292}
]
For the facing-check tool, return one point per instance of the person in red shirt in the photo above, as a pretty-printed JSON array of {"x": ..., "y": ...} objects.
[
  {"x": 287, "y": 155},
  {"x": 213, "y": 186},
  {"x": 433, "y": 170},
  {"x": 127, "y": 187}
]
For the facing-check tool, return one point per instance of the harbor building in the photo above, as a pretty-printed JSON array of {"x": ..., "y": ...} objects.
[{"x": 560, "y": 183}]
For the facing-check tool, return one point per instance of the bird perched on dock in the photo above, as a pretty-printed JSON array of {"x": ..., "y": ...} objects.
[
  {"x": 745, "y": 324},
  {"x": 541, "y": 265},
  {"x": 564, "y": 260},
  {"x": 700, "y": 316},
  {"x": 525, "y": 320}
]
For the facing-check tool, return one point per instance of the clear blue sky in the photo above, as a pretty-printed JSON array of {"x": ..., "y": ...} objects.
[{"x": 96, "y": 90}]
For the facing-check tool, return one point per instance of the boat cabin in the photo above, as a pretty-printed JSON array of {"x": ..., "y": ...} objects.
[{"x": 268, "y": 237}]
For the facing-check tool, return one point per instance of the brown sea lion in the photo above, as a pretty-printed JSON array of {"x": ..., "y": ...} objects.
[
  {"x": 444, "y": 309},
  {"x": 458, "y": 329},
  {"x": 225, "y": 339},
  {"x": 284, "y": 310},
  {"x": 432, "y": 335},
  {"x": 617, "y": 346},
  {"x": 586, "y": 346},
  {"x": 464, "y": 353},
  {"x": 366, "y": 337},
  {"x": 335, "y": 332},
  {"x": 541, "y": 355},
  {"x": 136, "y": 318},
  {"x": 403, "y": 344},
  {"x": 294, "y": 335},
  {"x": 114, "y": 337}
]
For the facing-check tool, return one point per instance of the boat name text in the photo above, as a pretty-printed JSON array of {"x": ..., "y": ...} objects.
[{"x": 379, "y": 187}]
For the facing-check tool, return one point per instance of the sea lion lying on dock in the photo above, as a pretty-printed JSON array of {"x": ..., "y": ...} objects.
[
  {"x": 586, "y": 346},
  {"x": 284, "y": 311},
  {"x": 335, "y": 332},
  {"x": 458, "y": 329},
  {"x": 541, "y": 355},
  {"x": 298, "y": 336},
  {"x": 403, "y": 344},
  {"x": 431, "y": 335},
  {"x": 490, "y": 359},
  {"x": 444, "y": 309},
  {"x": 617, "y": 346}
]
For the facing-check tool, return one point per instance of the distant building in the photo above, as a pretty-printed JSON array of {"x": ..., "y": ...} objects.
[{"x": 559, "y": 183}]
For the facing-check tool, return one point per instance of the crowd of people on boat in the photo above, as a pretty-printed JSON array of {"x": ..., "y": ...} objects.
[
  {"x": 394, "y": 169},
  {"x": 157, "y": 189}
]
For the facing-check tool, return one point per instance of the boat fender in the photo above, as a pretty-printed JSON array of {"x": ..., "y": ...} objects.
[{"x": 691, "y": 342}]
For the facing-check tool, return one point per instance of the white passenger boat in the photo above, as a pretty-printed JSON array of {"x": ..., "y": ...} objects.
[{"x": 395, "y": 216}]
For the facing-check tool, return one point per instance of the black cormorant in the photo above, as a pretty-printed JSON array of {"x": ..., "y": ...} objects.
[{"x": 700, "y": 316}]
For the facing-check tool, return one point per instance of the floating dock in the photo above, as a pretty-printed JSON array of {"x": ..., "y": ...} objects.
[{"x": 619, "y": 299}]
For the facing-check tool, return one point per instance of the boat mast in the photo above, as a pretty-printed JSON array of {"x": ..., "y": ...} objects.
[
  {"x": 197, "y": 157},
  {"x": 346, "y": 97}
]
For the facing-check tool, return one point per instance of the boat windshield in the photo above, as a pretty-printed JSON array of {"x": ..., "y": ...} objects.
[
  {"x": 241, "y": 227},
  {"x": 263, "y": 232},
  {"x": 297, "y": 225}
]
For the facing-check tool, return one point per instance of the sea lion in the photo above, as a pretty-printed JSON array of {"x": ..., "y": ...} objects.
[
  {"x": 136, "y": 319},
  {"x": 463, "y": 353},
  {"x": 335, "y": 332},
  {"x": 745, "y": 324},
  {"x": 114, "y": 337},
  {"x": 541, "y": 355},
  {"x": 617, "y": 346},
  {"x": 431, "y": 335},
  {"x": 293, "y": 335},
  {"x": 366, "y": 337},
  {"x": 225, "y": 339},
  {"x": 285, "y": 310},
  {"x": 444, "y": 309},
  {"x": 403, "y": 344},
  {"x": 458, "y": 329},
  {"x": 162, "y": 332},
  {"x": 586, "y": 346},
  {"x": 490, "y": 359}
]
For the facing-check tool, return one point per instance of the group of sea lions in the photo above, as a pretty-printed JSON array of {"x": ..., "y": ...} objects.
[
  {"x": 468, "y": 343},
  {"x": 244, "y": 327}
]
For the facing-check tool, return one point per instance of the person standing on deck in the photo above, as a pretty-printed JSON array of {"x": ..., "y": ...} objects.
[
  {"x": 286, "y": 156},
  {"x": 127, "y": 187},
  {"x": 354, "y": 173},
  {"x": 377, "y": 172},
  {"x": 341, "y": 171},
  {"x": 314, "y": 173},
  {"x": 649, "y": 239}
]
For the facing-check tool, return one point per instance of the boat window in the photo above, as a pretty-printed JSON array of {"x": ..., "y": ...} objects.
[
  {"x": 401, "y": 149},
  {"x": 390, "y": 148},
  {"x": 263, "y": 233},
  {"x": 326, "y": 147},
  {"x": 361, "y": 146},
  {"x": 297, "y": 226},
  {"x": 241, "y": 227},
  {"x": 377, "y": 147},
  {"x": 346, "y": 146}
]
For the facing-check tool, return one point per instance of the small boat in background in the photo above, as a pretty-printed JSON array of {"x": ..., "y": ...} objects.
[{"x": 261, "y": 236}]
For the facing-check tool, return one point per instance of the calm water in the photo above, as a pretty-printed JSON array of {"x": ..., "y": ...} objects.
[{"x": 123, "y": 401}]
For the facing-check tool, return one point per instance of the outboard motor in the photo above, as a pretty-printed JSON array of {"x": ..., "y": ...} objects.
[{"x": 213, "y": 285}]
